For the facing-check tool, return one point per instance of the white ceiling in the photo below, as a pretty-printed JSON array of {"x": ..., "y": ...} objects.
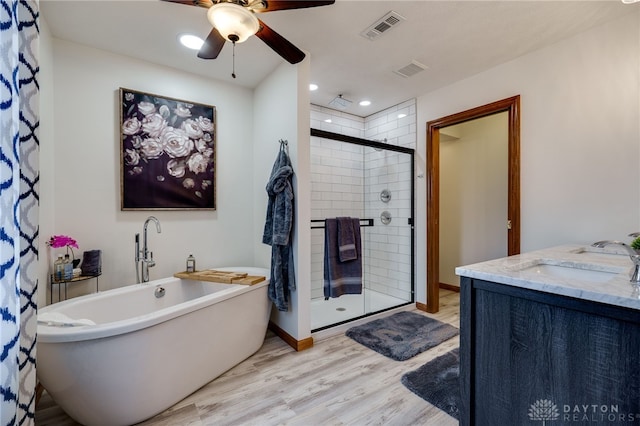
[{"x": 455, "y": 39}]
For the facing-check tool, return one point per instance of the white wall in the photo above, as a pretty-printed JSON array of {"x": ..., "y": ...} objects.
[
  {"x": 388, "y": 126},
  {"x": 86, "y": 178},
  {"x": 473, "y": 193},
  {"x": 330, "y": 120},
  {"x": 46, "y": 183},
  {"x": 281, "y": 111},
  {"x": 579, "y": 139}
]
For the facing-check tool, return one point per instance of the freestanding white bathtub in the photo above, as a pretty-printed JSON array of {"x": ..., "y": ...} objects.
[{"x": 144, "y": 353}]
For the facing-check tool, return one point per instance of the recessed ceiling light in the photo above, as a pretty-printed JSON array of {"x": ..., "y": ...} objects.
[
  {"x": 313, "y": 87},
  {"x": 328, "y": 120},
  {"x": 190, "y": 41},
  {"x": 365, "y": 103},
  {"x": 402, "y": 115}
]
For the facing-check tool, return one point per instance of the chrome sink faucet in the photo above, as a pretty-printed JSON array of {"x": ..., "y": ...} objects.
[
  {"x": 145, "y": 256},
  {"x": 635, "y": 257}
]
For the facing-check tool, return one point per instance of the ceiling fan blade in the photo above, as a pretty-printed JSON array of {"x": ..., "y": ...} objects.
[
  {"x": 202, "y": 3},
  {"x": 279, "y": 44},
  {"x": 212, "y": 45},
  {"x": 271, "y": 5}
]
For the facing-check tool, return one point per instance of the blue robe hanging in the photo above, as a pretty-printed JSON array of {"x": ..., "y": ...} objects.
[{"x": 278, "y": 228}]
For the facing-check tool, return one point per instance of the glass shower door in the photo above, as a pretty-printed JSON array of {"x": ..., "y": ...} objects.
[{"x": 373, "y": 182}]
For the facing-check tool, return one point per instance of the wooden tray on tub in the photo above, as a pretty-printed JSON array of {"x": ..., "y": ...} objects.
[{"x": 221, "y": 277}]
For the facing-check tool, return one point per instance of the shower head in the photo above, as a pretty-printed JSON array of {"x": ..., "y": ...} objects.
[{"x": 340, "y": 103}]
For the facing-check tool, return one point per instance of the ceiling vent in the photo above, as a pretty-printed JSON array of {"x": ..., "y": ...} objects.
[
  {"x": 383, "y": 24},
  {"x": 412, "y": 69}
]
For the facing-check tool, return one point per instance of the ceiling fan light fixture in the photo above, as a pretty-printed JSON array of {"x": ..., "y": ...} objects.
[{"x": 234, "y": 22}]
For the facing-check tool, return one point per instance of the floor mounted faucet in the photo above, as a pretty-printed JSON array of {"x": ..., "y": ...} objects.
[{"x": 145, "y": 256}]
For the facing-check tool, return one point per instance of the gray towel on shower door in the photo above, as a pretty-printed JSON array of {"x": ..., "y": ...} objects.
[
  {"x": 347, "y": 238},
  {"x": 341, "y": 277}
]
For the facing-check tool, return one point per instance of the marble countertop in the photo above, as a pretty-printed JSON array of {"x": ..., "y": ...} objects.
[{"x": 574, "y": 270}]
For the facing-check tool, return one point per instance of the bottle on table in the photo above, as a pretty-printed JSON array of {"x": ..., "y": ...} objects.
[
  {"x": 58, "y": 269},
  {"x": 191, "y": 263},
  {"x": 68, "y": 267}
]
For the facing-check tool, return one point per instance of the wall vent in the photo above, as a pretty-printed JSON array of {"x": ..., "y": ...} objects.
[
  {"x": 383, "y": 24},
  {"x": 412, "y": 69}
]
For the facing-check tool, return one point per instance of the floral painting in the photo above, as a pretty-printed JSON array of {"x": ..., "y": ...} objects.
[{"x": 168, "y": 153}]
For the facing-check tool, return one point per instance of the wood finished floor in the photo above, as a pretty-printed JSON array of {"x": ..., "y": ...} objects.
[{"x": 336, "y": 382}]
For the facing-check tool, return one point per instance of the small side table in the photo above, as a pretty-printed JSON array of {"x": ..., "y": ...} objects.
[{"x": 53, "y": 281}]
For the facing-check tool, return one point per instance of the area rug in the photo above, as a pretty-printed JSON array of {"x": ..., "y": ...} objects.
[
  {"x": 402, "y": 335},
  {"x": 437, "y": 382}
]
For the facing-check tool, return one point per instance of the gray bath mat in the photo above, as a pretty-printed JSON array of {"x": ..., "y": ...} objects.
[
  {"x": 402, "y": 335},
  {"x": 438, "y": 382}
]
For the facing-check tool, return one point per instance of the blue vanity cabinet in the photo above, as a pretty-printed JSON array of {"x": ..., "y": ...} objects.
[{"x": 528, "y": 357}]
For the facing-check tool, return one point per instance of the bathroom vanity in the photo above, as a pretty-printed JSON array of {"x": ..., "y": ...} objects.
[{"x": 550, "y": 335}]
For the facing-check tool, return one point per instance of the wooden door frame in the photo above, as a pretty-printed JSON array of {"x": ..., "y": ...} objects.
[{"x": 510, "y": 105}]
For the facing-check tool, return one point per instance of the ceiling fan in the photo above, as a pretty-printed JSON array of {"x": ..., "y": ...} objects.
[{"x": 235, "y": 21}]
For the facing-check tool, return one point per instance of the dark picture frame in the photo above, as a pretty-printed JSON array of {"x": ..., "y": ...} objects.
[{"x": 167, "y": 153}]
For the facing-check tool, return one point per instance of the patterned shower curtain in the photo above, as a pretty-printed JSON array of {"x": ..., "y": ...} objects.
[{"x": 19, "y": 174}]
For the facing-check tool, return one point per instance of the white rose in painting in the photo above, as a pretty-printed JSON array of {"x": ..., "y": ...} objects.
[
  {"x": 176, "y": 143},
  {"x": 205, "y": 124},
  {"x": 146, "y": 108},
  {"x": 188, "y": 183},
  {"x": 176, "y": 168},
  {"x": 131, "y": 126},
  {"x": 208, "y": 152},
  {"x": 135, "y": 171},
  {"x": 198, "y": 163},
  {"x": 154, "y": 124},
  {"x": 151, "y": 148},
  {"x": 182, "y": 110},
  {"x": 128, "y": 96},
  {"x": 136, "y": 141},
  {"x": 165, "y": 112},
  {"x": 192, "y": 129},
  {"x": 201, "y": 145},
  {"x": 203, "y": 148},
  {"x": 131, "y": 157}
]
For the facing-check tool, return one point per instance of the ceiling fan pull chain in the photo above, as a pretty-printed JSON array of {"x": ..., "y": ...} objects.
[{"x": 233, "y": 71}]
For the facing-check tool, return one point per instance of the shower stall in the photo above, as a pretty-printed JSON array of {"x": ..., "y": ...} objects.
[{"x": 374, "y": 182}]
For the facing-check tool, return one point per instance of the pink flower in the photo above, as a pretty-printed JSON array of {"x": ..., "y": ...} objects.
[{"x": 58, "y": 241}]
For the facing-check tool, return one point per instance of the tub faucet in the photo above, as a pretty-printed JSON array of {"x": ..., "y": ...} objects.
[
  {"x": 145, "y": 256},
  {"x": 634, "y": 255}
]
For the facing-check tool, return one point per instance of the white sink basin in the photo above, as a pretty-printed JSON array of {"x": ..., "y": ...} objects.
[
  {"x": 606, "y": 251},
  {"x": 569, "y": 271}
]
